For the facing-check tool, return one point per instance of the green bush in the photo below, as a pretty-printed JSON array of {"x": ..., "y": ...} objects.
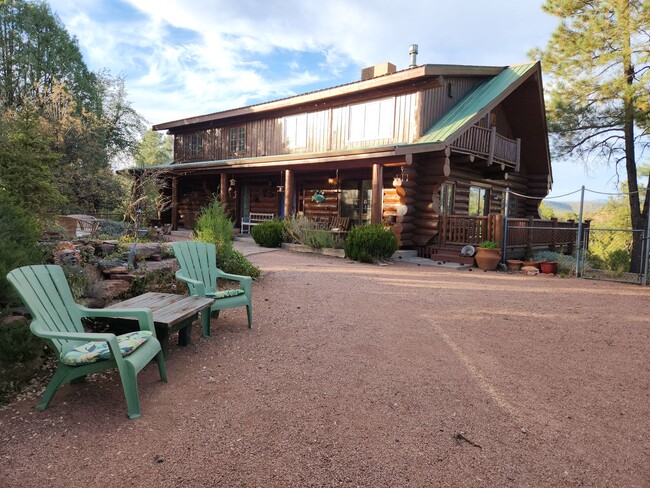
[
  {"x": 213, "y": 225},
  {"x": 268, "y": 234},
  {"x": 19, "y": 234},
  {"x": 234, "y": 262},
  {"x": 111, "y": 228},
  {"x": 489, "y": 245},
  {"x": 370, "y": 243},
  {"x": 19, "y": 348}
]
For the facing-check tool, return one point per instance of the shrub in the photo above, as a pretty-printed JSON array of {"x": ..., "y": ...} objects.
[
  {"x": 19, "y": 234},
  {"x": 268, "y": 234},
  {"x": 234, "y": 262},
  {"x": 18, "y": 348},
  {"x": 301, "y": 230},
  {"x": 566, "y": 264},
  {"x": 213, "y": 225},
  {"x": 370, "y": 243},
  {"x": 111, "y": 228}
]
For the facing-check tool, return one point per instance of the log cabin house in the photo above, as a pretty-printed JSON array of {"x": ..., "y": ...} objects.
[{"x": 428, "y": 150}]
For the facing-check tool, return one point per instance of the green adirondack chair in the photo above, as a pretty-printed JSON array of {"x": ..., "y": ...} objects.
[
  {"x": 57, "y": 318},
  {"x": 198, "y": 268}
]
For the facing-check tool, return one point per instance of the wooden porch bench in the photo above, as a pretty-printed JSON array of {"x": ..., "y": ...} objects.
[{"x": 254, "y": 218}]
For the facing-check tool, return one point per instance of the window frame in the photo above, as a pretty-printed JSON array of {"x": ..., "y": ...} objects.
[
  {"x": 382, "y": 111},
  {"x": 238, "y": 139},
  {"x": 483, "y": 202},
  {"x": 193, "y": 145},
  {"x": 295, "y": 131}
]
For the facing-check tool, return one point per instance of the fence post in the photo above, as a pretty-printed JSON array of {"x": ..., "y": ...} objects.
[
  {"x": 529, "y": 237},
  {"x": 579, "y": 237},
  {"x": 646, "y": 255},
  {"x": 554, "y": 234},
  {"x": 505, "y": 222}
]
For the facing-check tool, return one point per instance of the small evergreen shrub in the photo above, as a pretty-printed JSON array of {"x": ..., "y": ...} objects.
[
  {"x": 111, "y": 228},
  {"x": 234, "y": 262},
  {"x": 268, "y": 234},
  {"x": 19, "y": 234},
  {"x": 213, "y": 225},
  {"x": 370, "y": 243}
]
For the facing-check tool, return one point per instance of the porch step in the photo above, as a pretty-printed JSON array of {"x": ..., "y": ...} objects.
[{"x": 447, "y": 255}]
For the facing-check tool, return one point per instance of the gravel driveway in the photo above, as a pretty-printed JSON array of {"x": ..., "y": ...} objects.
[{"x": 374, "y": 376}]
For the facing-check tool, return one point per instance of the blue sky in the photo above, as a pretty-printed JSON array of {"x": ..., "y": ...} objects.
[{"x": 182, "y": 59}]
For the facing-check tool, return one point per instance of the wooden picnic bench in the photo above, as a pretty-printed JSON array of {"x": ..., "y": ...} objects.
[
  {"x": 171, "y": 313},
  {"x": 254, "y": 218}
]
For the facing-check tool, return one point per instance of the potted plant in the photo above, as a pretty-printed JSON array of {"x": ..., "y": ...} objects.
[
  {"x": 548, "y": 267},
  {"x": 488, "y": 255}
]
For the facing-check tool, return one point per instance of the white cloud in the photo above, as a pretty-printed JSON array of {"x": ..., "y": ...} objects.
[{"x": 184, "y": 59}]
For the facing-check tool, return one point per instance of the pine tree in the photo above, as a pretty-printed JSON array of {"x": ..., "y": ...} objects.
[{"x": 599, "y": 106}]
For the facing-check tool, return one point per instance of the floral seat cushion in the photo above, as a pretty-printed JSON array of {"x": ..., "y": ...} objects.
[
  {"x": 227, "y": 293},
  {"x": 94, "y": 351}
]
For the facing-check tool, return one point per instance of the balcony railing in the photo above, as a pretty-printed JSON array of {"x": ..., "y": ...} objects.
[{"x": 490, "y": 145}]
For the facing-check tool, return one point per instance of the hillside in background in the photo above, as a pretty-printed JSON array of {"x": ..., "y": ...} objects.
[{"x": 590, "y": 208}]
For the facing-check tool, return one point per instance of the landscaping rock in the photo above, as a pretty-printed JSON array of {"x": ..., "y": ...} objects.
[{"x": 109, "y": 289}]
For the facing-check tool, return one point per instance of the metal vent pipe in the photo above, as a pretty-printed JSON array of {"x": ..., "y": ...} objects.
[{"x": 413, "y": 51}]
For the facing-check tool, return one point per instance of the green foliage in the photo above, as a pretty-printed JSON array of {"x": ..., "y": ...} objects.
[
  {"x": 19, "y": 348},
  {"x": 302, "y": 230},
  {"x": 213, "y": 225},
  {"x": 159, "y": 280},
  {"x": 37, "y": 52},
  {"x": 489, "y": 245},
  {"x": 26, "y": 161},
  {"x": 370, "y": 243},
  {"x": 18, "y": 344},
  {"x": 18, "y": 244},
  {"x": 154, "y": 149},
  {"x": 599, "y": 65},
  {"x": 111, "y": 228},
  {"x": 566, "y": 265},
  {"x": 268, "y": 234},
  {"x": 234, "y": 262}
]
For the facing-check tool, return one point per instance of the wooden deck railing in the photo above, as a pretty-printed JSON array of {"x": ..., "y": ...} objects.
[
  {"x": 524, "y": 235},
  {"x": 490, "y": 145}
]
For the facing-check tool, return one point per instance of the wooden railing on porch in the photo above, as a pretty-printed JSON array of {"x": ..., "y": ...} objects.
[
  {"x": 525, "y": 235},
  {"x": 490, "y": 145},
  {"x": 459, "y": 230}
]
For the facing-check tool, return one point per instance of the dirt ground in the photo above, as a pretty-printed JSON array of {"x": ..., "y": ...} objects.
[{"x": 373, "y": 376}]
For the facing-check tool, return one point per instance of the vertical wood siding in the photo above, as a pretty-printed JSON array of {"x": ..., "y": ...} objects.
[
  {"x": 436, "y": 101},
  {"x": 327, "y": 130}
]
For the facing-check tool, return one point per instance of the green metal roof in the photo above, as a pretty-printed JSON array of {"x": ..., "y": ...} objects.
[{"x": 474, "y": 105}]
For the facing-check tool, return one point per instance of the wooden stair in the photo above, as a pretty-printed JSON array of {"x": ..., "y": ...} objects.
[{"x": 445, "y": 255}]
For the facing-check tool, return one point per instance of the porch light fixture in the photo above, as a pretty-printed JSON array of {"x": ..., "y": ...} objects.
[{"x": 233, "y": 181}]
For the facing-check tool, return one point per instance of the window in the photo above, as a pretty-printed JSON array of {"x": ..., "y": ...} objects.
[
  {"x": 237, "y": 139},
  {"x": 478, "y": 200},
  {"x": 295, "y": 131},
  {"x": 447, "y": 199},
  {"x": 193, "y": 145},
  {"x": 372, "y": 120}
]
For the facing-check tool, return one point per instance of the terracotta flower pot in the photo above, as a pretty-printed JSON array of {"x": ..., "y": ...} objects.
[
  {"x": 514, "y": 264},
  {"x": 548, "y": 267},
  {"x": 487, "y": 259}
]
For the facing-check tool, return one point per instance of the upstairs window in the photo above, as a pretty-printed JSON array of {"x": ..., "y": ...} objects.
[
  {"x": 237, "y": 139},
  {"x": 193, "y": 145},
  {"x": 372, "y": 120},
  {"x": 295, "y": 131}
]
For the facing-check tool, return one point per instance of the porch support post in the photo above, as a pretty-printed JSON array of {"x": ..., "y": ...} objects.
[
  {"x": 223, "y": 189},
  {"x": 174, "y": 203},
  {"x": 288, "y": 193},
  {"x": 377, "y": 193}
]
